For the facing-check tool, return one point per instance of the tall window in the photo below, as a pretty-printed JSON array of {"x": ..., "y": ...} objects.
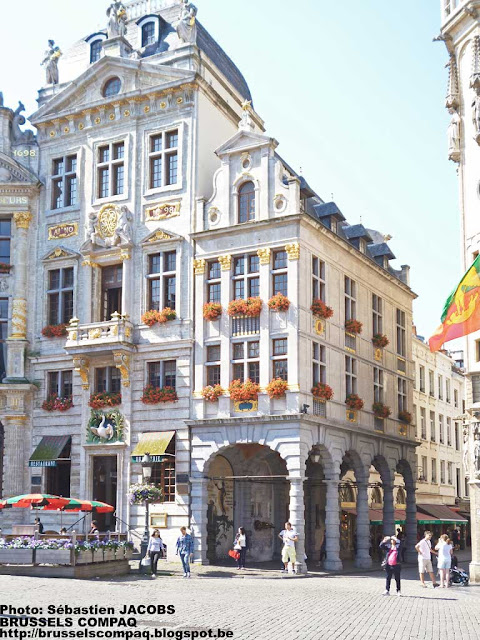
[
  {"x": 163, "y": 159},
  {"x": 377, "y": 384},
  {"x": 148, "y": 34},
  {"x": 60, "y": 296},
  {"x": 455, "y": 398},
  {"x": 457, "y": 435},
  {"x": 319, "y": 363},
  {"x": 279, "y": 358},
  {"x": 450, "y": 472},
  {"x": 423, "y": 423},
  {"x": 95, "y": 51},
  {"x": 377, "y": 314},
  {"x": 60, "y": 384},
  {"x": 350, "y": 375},
  {"x": 434, "y": 470},
  {"x": 107, "y": 379},
  {"x": 401, "y": 334},
  {"x": 350, "y": 299},
  {"x": 432, "y": 426},
  {"x": 246, "y": 202},
  {"x": 279, "y": 273},
  {"x": 449, "y": 432},
  {"x": 64, "y": 182},
  {"x": 448, "y": 393},
  {"x": 422, "y": 379},
  {"x": 318, "y": 279},
  {"x": 246, "y": 361},
  {"x": 423, "y": 473},
  {"x": 111, "y": 169},
  {"x": 402, "y": 394},
  {"x": 440, "y": 387},
  {"x": 3, "y": 337},
  {"x": 5, "y": 239},
  {"x": 441, "y": 429},
  {"x": 214, "y": 286},
  {"x": 162, "y": 280},
  {"x": 213, "y": 364},
  {"x": 431, "y": 383},
  {"x": 246, "y": 282},
  {"x": 162, "y": 374},
  {"x": 163, "y": 473}
]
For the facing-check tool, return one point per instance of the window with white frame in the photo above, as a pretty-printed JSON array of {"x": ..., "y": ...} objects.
[
  {"x": 422, "y": 378},
  {"x": 319, "y": 363},
  {"x": 59, "y": 383},
  {"x": 350, "y": 299},
  {"x": 401, "y": 333},
  {"x": 434, "y": 470},
  {"x": 377, "y": 384},
  {"x": 163, "y": 159},
  {"x": 111, "y": 169},
  {"x": 107, "y": 379},
  {"x": 455, "y": 398},
  {"x": 162, "y": 373},
  {"x": 440, "y": 387},
  {"x": 449, "y": 431},
  {"x": 441, "y": 429},
  {"x": 450, "y": 473},
  {"x": 423, "y": 471},
  {"x": 64, "y": 181},
  {"x": 442, "y": 471},
  {"x": 318, "y": 279},
  {"x": 95, "y": 50},
  {"x": 148, "y": 33},
  {"x": 212, "y": 364},
  {"x": 279, "y": 358},
  {"x": 433, "y": 436},
  {"x": 280, "y": 273},
  {"x": 456, "y": 426},
  {"x": 246, "y": 360},
  {"x": 431, "y": 383},
  {"x": 350, "y": 375},
  {"x": 5, "y": 240},
  {"x": 162, "y": 280},
  {"x": 423, "y": 423},
  {"x": 246, "y": 202},
  {"x": 245, "y": 278},
  {"x": 60, "y": 296},
  {"x": 448, "y": 393},
  {"x": 214, "y": 286},
  {"x": 402, "y": 394},
  {"x": 377, "y": 314}
]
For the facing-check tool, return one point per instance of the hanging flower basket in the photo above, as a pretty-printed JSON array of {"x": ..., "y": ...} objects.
[
  {"x": 320, "y": 309},
  {"x": 54, "y": 331},
  {"x": 380, "y": 341},
  {"x": 353, "y": 326},
  {"x": 55, "y": 403},
  {"x": 157, "y": 395},
  {"x": 276, "y": 388},
  {"x": 405, "y": 416},
  {"x": 211, "y": 393},
  {"x": 212, "y": 311},
  {"x": 243, "y": 391},
  {"x": 381, "y": 410},
  {"x": 279, "y": 302},
  {"x": 105, "y": 399},
  {"x": 322, "y": 391},
  {"x": 250, "y": 307},
  {"x": 158, "y": 317},
  {"x": 353, "y": 401},
  {"x": 141, "y": 493},
  {"x": 5, "y": 267}
]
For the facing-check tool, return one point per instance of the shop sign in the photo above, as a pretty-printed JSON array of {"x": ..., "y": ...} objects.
[
  {"x": 42, "y": 463},
  {"x": 61, "y": 231},
  {"x": 162, "y": 211}
]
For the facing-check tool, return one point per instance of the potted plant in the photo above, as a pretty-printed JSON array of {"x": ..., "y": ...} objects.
[
  {"x": 279, "y": 302},
  {"x": 244, "y": 391},
  {"x": 105, "y": 399},
  {"x": 276, "y": 388},
  {"x": 157, "y": 395},
  {"x": 158, "y": 317},
  {"x": 354, "y": 402},
  {"x": 211, "y": 393},
  {"x": 381, "y": 410},
  {"x": 380, "y": 341},
  {"x": 140, "y": 493},
  {"x": 405, "y": 416},
  {"x": 54, "y": 331},
  {"x": 320, "y": 309},
  {"x": 55, "y": 403},
  {"x": 353, "y": 326},
  {"x": 322, "y": 391},
  {"x": 212, "y": 311},
  {"x": 5, "y": 267},
  {"x": 250, "y": 307}
]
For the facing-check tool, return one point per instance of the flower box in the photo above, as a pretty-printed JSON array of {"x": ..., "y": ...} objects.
[
  {"x": 84, "y": 557},
  {"x": 212, "y": 311},
  {"x": 141, "y": 493},
  {"x": 109, "y": 555},
  {"x": 380, "y": 341},
  {"x": 279, "y": 302},
  {"x": 381, "y": 410},
  {"x": 250, "y": 307},
  {"x": 54, "y": 331},
  {"x": 4, "y": 267},
  {"x": 55, "y": 403},
  {"x": 320, "y": 309},
  {"x": 157, "y": 395},
  {"x": 158, "y": 317},
  {"x": 353, "y": 401},
  {"x": 322, "y": 391},
  {"x": 276, "y": 388},
  {"x": 244, "y": 391},
  {"x": 105, "y": 399},
  {"x": 212, "y": 393},
  {"x": 16, "y": 556},
  {"x": 353, "y": 326},
  {"x": 53, "y": 556},
  {"x": 127, "y": 553},
  {"x": 405, "y": 416}
]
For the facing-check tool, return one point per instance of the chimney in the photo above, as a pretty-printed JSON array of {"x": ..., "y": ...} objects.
[{"x": 6, "y": 117}]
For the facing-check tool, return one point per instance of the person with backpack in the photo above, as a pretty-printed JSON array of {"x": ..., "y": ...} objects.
[
  {"x": 240, "y": 546},
  {"x": 391, "y": 548}
]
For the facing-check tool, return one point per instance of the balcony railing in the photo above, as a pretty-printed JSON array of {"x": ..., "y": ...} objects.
[
  {"x": 137, "y": 8},
  {"x": 245, "y": 325},
  {"x": 115, "y": 331}
]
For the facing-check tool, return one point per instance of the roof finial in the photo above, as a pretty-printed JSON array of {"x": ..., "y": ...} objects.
[{"x": 246, "y": 123}]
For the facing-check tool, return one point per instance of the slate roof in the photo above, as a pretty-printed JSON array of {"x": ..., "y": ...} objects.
[
  {"x": 381, "y": 249},
  {"x": 327, "y": 209},
  {"x": 357, "y": 231}
]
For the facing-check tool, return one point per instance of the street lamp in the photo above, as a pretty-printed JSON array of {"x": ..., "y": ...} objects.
[{"x": 147, "y": 474}]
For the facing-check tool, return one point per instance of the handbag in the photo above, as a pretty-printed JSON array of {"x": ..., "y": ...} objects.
[
  {"x": 234, "y": 554},
  {"x": 146, "y": 561}
]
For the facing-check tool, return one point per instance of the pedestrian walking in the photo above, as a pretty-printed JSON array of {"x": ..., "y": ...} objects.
[
  {"x": 288, "y": 536},
  {"x": 424, "y": 549},
  {"x": 455, "y": 538},
  {"x": 240, "y": 545},
  {"x": 155, "y": 550},
  {"x": 391, "y": 548},
  {"x": 445, "y": 553},
  {"x": 185, "y": 550}
]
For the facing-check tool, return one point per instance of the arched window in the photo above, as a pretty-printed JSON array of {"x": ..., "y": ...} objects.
[
  {"x": 246, "y": 202},
  {"x": 112, "y": 87},
  {"x": 401, "y": 496},
  {"x": 148, "y": 34},
  {"x": 95, "y": 51}
]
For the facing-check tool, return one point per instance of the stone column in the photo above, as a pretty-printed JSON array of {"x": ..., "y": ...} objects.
[
  {"x": 332, "y": 527},
  {"x": 297, "y": 519},
  {"x": 198, "y": 518},
  {"x": 411, "y": 525},
  {"x": 15, "y": 459},
  {"x": 388, "y": 510},
  {"x": 475, "y": 530},
  {"x": 363, "y": 559}
]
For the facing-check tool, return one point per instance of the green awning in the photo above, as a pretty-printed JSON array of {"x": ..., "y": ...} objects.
[
  {"x": 155, "y": 444},
  {"x": 50, "y": 450}
]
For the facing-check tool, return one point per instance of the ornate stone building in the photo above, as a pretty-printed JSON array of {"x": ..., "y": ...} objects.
[{"x": 153, "y": 192}]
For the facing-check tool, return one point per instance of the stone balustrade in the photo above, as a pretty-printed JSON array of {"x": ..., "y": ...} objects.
[{"x": 118, "y": 330}]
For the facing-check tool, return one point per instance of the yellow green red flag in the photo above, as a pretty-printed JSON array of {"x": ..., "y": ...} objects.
[{"x": 461, "y": 312}]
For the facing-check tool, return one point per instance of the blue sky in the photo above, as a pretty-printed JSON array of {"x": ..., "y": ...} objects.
[{"x": 353, "y": 91}]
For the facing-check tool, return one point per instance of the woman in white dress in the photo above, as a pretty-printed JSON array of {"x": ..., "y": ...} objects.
[{"x": 445, "y": 553}]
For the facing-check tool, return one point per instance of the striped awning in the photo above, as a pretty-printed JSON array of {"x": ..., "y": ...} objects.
[
  {"x": 50, "y": 450},
  {"x": 155, "y": 444}
]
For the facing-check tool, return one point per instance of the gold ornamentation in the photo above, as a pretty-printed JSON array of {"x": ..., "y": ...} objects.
[
  {"x": 58, "y": 253},
  {"x": 253, "y": 403},
  {"x": 351, "y": 415},
  {"x": 81, "y": 126},
  {"x": 53, "y": 134},
  {"x": 128, "y": 332},
  {"x": 16, "y": 418},
  {"x": 73, "y": 335},
  {"x": 97, "y": 120},
  {"x": 293, "y": 251},
  {"x": 112, "y": 116},
  {"x": 19, "y": 319},
  {"x": 114, "y": 331},
  {"x": 159, "y": 235},
  {"x": 94, "y": 334},
  {"x": 66, "y": 130},
  {"x": 107, "y": 221},
  {"x": 180, "y": 100},
  {"x": 402, "y": 429},
  {"x": 22, "y": 219},
  {"x": 377, "y": 354},
  {"x": 264, "y": 255},
  {"x": 90, "y": 263},
  {"x": 226, "y": 262},
  {"x": 122, "y": 363},
  {"x": 81, "y": 366},
  {"x": 163, "y": 105},
  {"x": 162, "y": 211},
  {"x": 199, "y": 267},
  {"x": 126, "y": 113},
  {"x": 319, "y": 327},
  {"x": 124, "y": 255},
  {"x": 246, "y": 105},
  {"x": 65, "y": 230},
  {"x": 146, "y": 109}
]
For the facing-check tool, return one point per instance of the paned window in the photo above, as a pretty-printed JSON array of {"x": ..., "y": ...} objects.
[
  {"x": 350, "y": 375},
  {"x": 319, "y": 363},
  {"x": 60, "y": 384},
  {"x": 60, "y": 296},
  {"x": 424, "y": 468},
  {"x": 148, "y": 34},
  {"x": 5, "y": 240},
  {"x": 423, "y": 423},
  {"x": 434, "y": 470},
  {"x": 422, "y": 378},
  {"x": 440, "y": 387},
  {"x": 442, "y": 471},
  {"x": 433, "y": 436},
  {"x": 107, "y": 379},
  {"x": 449, "y": 432},
  {"x": 246, "y": 202},
  {"x": 214, "y": 286},
  {"x": 431, "y": 383},
  {"x": 95, "y": 51},
  {"x": 64, "y": 182},
  {"x": 318, "y": 279},
  {"x": 377, "y": 314},
  {"x": 163, "y": 159},
  {"x": 377, "y": 384},
  {"x": 448, "y": 392},
  {"x": 162, "y": 280},
  {"x": 162, "y": 373},
  {"x": 279, "y": 353},
  {"x": 441, "y": 429},
  {"x": 402, "y": 394},
  {"x": 246, "y": 281},
  {"x": 112, "y": 87},
  {"x": 279, "y": 273},
  {"x": 401, "y": 334},
  {"x": 163, "y": 473},
  {"x": 246, "y": 361},
  {"x": 350, "y": 299},
  {"x": 455, "y": 398},
  {"x": 3, "y": 336},
  {"x": 111, "y": 169},
  {"x": 450, "y": 472},
  {"x": 213, "y": 364}
]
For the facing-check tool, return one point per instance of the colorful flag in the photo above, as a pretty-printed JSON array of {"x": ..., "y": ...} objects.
[{"x": 461, "y": 313}]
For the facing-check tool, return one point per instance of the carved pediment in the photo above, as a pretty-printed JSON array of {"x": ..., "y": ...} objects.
[
  {"x": 244, "y": 140},
  {"x": 159, "y": 235},
  {"x": 11, "y": 172},
  {"x": 60, "y": 253}
]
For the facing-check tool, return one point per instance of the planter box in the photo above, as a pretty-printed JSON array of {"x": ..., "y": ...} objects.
[
  {"x": 16, "y": 556},
  {"x": 84, "y": 557},
  {"x": 128, "y": 554},
  {"x": 108, "y": 555},
  {"x": 53, "y": 556}
]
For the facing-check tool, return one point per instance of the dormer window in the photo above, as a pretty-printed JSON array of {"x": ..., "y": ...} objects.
[
  {"x": 246, "y": 202},
  {"x": 95, "y": 51},
  {"x": 148, "y": 34},
  {"x": 112, "y": 87}
]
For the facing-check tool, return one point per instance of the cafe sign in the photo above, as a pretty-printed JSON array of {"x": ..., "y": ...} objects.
[
  {"x": 162, "y": 211},
  {"x": 61, "y": 231}
]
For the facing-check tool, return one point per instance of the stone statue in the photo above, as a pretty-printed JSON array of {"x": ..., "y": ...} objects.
[
  {"x": 110, "y": 227},
  {"x": 91, "y": 233},
  {"x": 50, "y": 62},
  {"x": 117, "y": 20},
  {"x": 454, "y": 135},
  {"x": 124, "y": 227},
  {"x": 19, "y": 136},
  {"x": 246, "y": 123},
  {"x": 476, "y": 455},
  {"x": 476, "y": 113},
  {"x": 187, "y": 25}
]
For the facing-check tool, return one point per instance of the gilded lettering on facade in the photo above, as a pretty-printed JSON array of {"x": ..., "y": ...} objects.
[
  {"x": 162, "y": 211},
  {"x": 61, "y": 231}
]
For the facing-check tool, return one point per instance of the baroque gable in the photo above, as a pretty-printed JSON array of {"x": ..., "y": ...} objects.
[
  {"x": 160, "y": 236},
  {"x": 11, "y": 172},
  {"x": 60, "y": 253},
  {"x": 243, "y": 141}
]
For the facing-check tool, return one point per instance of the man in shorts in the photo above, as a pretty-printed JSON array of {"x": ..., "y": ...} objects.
[
  {"x": 424, "y": 549},
  {"x": 288, "y": 536}
]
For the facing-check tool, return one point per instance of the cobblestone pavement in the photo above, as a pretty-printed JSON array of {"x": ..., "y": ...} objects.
[{"x": 335, "y": 607}]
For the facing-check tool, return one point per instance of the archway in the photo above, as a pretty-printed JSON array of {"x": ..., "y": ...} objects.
[{"x": 408, "y": 495}]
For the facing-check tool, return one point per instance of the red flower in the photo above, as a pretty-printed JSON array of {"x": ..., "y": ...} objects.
[
  {"x": 279, "y": 302},
  {"x": 54, "y": 331},
  {"x": 353, "y": 401},
  {"x": 212, "y": 310},
  {"x": 212, "y": 393},
  {"x": 380, "y": 341},
  {"x": 251, "y": 307},
  {"x": 54, "y": 403},
  {"x": 320, "y": 309},
  {"x": 244, "y": 391},
  {"x": 5, "y": 267},
  {"x": 153, "y": 316},
  {"x": 405, "y": 416},
  {"x": 381, "y": 410},
  {"x": 353, "y": 326},
  {"x": 157, "y": 395},
  {"x": 322, "y": 391},
  {"x": 105, "y": 399},
  {"x": 276, "y": 388}
]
